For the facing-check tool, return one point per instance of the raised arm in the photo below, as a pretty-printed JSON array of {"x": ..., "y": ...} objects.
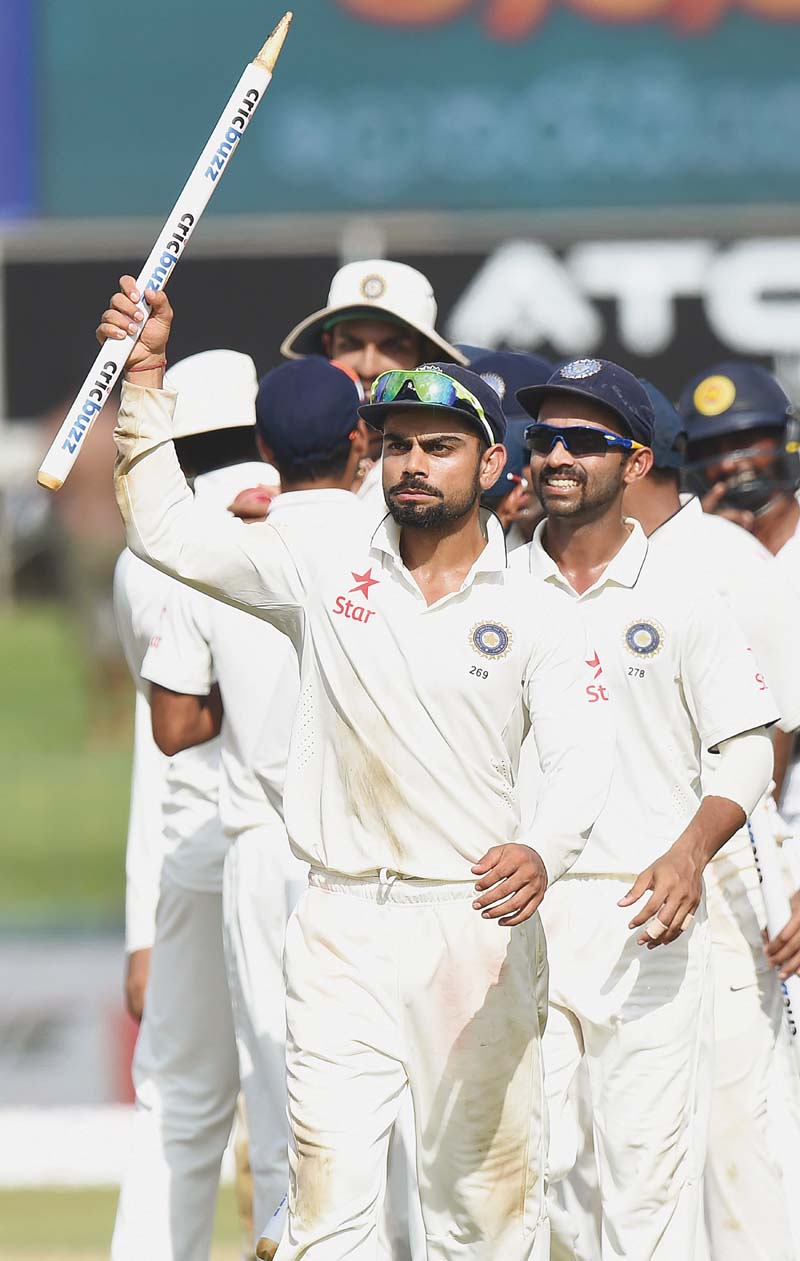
[{"x": 248, "y": 566}]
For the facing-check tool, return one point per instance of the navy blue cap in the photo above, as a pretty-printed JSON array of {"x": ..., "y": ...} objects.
[
  {"x": 731, "y": 397},
  {"x": 306, "y": 408},
  {"x": 375, "y": 413},
  {"x": 669, "y": 439},
  {"x": 508, "y": 371},
  {"x": 602, "y": 382},
  {"x": 517, "y": 461}
]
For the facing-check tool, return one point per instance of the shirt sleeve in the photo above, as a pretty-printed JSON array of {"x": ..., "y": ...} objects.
[
  {"x": 179, "y": 657},
  {"x": 722, "y": 681},
  {"x": 574, "y": 740},
  {"x": 768, "y": 611},
  {"x": 248, "y": 566}
]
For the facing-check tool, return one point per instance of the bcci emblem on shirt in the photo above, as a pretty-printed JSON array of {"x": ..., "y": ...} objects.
[
  {"x": 490, "y": 639},
  {"x": 644, "y": 639}
]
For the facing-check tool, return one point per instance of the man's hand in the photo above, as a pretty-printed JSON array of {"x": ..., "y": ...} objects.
[
  {"x": 253, "y": 504},
  {"x": 516, "y": 880},
  {"x": 784, "y": 951},
  {"x": 676, "y": 882},
  {"x": 124, "y": 316},
  {"x": 711, "y": 503},
  {"x": 136, "y": 979}
]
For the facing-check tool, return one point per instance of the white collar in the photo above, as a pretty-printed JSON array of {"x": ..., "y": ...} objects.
[
  {"x": 492, "y": 559},
  {"x": 622, "y": 570}
]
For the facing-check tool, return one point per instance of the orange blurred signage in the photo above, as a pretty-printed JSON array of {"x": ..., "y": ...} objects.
[{"x": 515, "y": 19}]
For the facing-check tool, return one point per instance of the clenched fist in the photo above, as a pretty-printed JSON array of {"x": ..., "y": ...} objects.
[{"x": 125, "y": 315}]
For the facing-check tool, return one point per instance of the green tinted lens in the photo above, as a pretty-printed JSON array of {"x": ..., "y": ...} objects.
[{"x": 424, "y": 387}]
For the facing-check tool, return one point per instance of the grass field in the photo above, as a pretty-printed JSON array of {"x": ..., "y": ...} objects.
[
  {"x": 67, "y": 1225},
  {"x": 64, "y": 789}
]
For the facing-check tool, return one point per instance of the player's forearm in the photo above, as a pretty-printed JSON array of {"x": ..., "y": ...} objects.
[
  {"x": 571, "y": 800},
  {"x": 181, "y": 721},
  {"x": 782, "y": 748},
  {"x": 742, "y": 776},
  {"x": 153, "y": 496}
]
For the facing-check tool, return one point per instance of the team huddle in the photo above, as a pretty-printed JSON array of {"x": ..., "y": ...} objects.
[{"x": 457, "y": 740}]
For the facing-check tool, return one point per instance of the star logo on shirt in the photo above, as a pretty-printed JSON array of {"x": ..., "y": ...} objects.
[
  {"x": 595, "y": 665},
  {"x": 363, "y": 583}
]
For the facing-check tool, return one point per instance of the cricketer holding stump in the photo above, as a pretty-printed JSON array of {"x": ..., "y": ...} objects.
[{"x": 423, "y": 658}]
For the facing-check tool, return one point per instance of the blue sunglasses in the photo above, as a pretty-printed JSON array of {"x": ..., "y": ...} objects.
[{"x": 578, "y": 439}]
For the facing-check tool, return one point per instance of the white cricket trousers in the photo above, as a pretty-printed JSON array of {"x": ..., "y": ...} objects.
[
  {"x": 643, "y": 1020},
  {"x": 262, "y": 882},
  {"x": 392, "y": 982},
  {"x": 186, "y": 1076},
  {"x": 745, "y": 1198}
]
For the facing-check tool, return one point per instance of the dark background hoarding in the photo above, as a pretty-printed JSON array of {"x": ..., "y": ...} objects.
[
  {"x": 399, "y": 104},
  {"x": 249, "y": 304}
]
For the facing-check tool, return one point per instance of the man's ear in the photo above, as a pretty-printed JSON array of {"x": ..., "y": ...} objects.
[
  {"x": 637, "y": 466},
  {"x": 266, "y": 453},
  {"x": 362, "y": 436},
  {"x": 327, "y": 344},
  {"x": 493, "y": 461}
]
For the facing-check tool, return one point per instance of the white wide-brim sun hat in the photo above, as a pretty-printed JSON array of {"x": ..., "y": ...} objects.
[
  {"x": 216, "y": 390},
  {"x": 375, "y": 287}
]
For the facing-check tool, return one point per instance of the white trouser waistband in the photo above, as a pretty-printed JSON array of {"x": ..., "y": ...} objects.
[{"x": 389, "y": 886}]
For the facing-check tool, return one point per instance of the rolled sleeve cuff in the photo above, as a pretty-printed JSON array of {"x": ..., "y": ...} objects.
[{"x": 145, "y": 418}]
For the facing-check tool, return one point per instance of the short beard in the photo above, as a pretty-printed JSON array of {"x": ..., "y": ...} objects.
[
  {"x": 590, "y": 502},
  {"x": 431, "y": 516}
]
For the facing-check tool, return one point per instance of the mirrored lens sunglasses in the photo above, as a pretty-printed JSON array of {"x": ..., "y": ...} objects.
[
  {"x": 578, "y": 439},
  {"x": 424, "y": 386}
]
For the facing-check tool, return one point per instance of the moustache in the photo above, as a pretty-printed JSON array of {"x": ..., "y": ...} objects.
[
  {"x": 553, "y": 474},
  {"x": 422, "y": 487}
]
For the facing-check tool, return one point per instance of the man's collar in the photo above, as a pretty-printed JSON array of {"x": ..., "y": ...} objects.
[
  {"x": 492, "y": 559},
  {"x": 290, "y": 499},
  {"x": 682, "y": 523},
  {"x": 623, "y": 569}
]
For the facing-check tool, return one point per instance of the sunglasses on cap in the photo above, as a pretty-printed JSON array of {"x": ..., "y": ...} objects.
[
  {"x": 578, "y": 439},
  {"x": 425, "y": 386}
]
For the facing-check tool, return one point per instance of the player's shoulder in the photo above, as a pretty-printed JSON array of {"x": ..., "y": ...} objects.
[
  {"x": 677, "y": 584},
  {"x": 728, "y": 538}
]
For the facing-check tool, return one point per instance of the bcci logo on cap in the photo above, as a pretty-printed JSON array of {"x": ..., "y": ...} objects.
[
  {"x": 496, "y": 382},
  {"x": 580, "y": 369},
  {"x": 490, "y": 639},
  {"x": 644, "y": 639},
  {"x": 373, "y": 287}
]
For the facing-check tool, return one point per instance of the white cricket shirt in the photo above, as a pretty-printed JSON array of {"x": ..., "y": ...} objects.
[
  {"x": 139, "y": 595},
  {"x": 405, "y": 746},
  {"x": 750, "y": 579},
  {"x": 664, "y": 646},
  {"x": 746, "y": 575},
  {"x": 203, "y": 641}
]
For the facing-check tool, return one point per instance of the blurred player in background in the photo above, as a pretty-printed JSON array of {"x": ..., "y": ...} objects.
[
  {"x": 511, "y": 498},
  {"x": 637, "y": 1004},
  {"x": 743, "y": 461},
  {"x": 380, "y": 315},
  {"x": 185, "y": 1066},
  {"x": 746, "y": 1203},
  {"x": 139, "y": 595}
]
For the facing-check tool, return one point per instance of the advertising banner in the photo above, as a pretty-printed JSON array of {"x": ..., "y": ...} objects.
[{"x": 425, "y": 104}]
